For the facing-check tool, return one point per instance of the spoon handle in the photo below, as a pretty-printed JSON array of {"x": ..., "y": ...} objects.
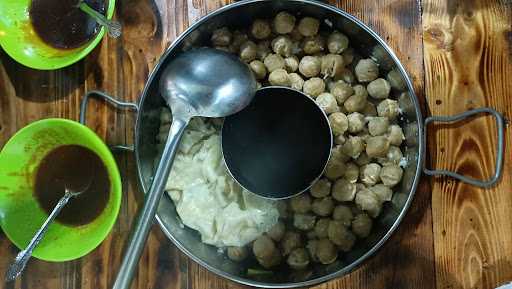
[
  {"x": 152, "y": 199},
  {"x": 113, "y": 27},
  {"x": 23, "y": 256}
]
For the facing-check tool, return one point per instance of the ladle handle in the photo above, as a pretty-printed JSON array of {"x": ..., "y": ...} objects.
[{"x": 147, "y": 214}]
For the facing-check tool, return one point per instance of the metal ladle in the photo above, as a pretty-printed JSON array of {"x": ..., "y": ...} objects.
[{"x": 202, "y": 82}]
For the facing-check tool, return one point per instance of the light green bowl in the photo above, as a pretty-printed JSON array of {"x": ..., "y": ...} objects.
[
  {"x": 20, "y": 214},
  {"x": 20, "y": 41}
]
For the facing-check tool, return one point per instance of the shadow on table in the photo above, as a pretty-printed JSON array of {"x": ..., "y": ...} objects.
[{"x": 46, "y": 85}]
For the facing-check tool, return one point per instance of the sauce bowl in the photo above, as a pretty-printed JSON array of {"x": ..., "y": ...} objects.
[{"x": 20, "y": 213}]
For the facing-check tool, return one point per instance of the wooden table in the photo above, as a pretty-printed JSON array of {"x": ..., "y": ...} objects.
[{"x": 459, "y": 54}]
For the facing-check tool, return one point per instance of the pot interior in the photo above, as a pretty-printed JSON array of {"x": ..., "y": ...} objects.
[{"x": 364, "y": 42}]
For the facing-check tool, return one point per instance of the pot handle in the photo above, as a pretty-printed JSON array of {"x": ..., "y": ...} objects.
[
  {"x": 114, "y": 102},
  {"x": 500, "y": 124}
]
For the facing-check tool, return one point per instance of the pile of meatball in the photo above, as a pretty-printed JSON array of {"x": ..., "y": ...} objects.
[{"x": 357, "y": 95}]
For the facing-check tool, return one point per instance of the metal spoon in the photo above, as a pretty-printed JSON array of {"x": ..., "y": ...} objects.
[
  {"x": 113, "y": 27},
  {"x": 201, "y": 82},
  {"x": 16, "y": 268}
]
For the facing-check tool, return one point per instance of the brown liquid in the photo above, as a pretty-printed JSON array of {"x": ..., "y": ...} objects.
[
  {"x": 73, "y": 167},
  {"x": 61, "y": 24}
]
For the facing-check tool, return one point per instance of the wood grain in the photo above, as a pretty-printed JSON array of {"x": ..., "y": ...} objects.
[{"x": 468, "y": 65}]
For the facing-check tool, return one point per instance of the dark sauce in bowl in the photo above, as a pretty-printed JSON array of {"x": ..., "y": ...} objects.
[
  {"x": 73, "y": 167},
  {"x": 61, "y": 24}
]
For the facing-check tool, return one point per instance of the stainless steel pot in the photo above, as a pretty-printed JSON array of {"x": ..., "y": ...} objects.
[{"x": 362, "y": 39}]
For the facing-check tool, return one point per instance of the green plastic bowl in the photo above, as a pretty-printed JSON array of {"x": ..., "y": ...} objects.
[
  {"x": 20, "y": 214},
  {"x": 20, "y": 41}
]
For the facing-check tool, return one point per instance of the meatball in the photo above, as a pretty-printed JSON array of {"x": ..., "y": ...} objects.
[
  {"x": 383, "y": 193},
  {"x": 395, "y": 135},
  {"x": 323, "y": 207},
  {"x": 237, "y": 254},
  {"x": 263, "y": 50},
  {"x": 260, "y": 29},
  {"x": 339, "y": 123},
  {"x": 221, "y": 37},
  {"x": 334, "y": 169},
  {"x": 351, "y": 172},
  {"x": 341, "y": 91},
  {"x": 357, "y": 101},
  {"x": 362, "y": 225},
  {"x": 258, "y": 68},
  {"x": 341, "y": 236},
  {"x": 279, "y": 77},
  {"x": 298, "y": 259},
  {"x": 366, "y": 70},
  {"x": 266, "y": 252},
  {"x": 388, "y": 108},
  {"x": 348, "y": 56},
  {"x": 369, "y": 109},
  {"x": 391, "y": 175},
  {"x": 379, "y": 88},
  {"x": 395, "y": 80},
  {"x": 274, "y": 62},
  {"x": 291, "y": 63},
  {"x": 284, "y": 23},
  {"x": 248, "y": 51},
  {"x": 313, "y": 45},
  {"x": 315, "y": 87},
  {"x": 311, "y": 235},
  {"x": 393, "y": 157},
  {"x": 308, "y": 26},
  {"x": 343, "y": 191},
  {"x": 327, "y": 102},
  {"x": 301, "y": 203},
  {"x": 277, "y": 231},
  {"x": 340, "y": 139},
  {"x": 338, "y": 154},
  {"x": 346, "y": 75},
  {"x": 370, "y": 174},
  {"x": 296, "y": 81},
  {"x": 310, "y": 66},
  {"x": 337, "y": 42},
  {"x": 382, "y": 57},
  {"x": 378, "y": 125},
  {"x": 239, "y": 38},
  {"x": 321, "y": 227},
  {"x": 283, "y": 46},
  {"x": 311, "y": 246},
  {"x": 291, "y": 240},
  {"x": 282, "y": 208},
  {"x": 331, "y": 65},
  {"x": 343, "y": 214},
  {"x": 377, "y": 146},
  {"x": 325, "y": 251},
  {"x": 366, "y": 200},
  {"x": 321, "y": 188},
  {"x": 304, "y": 222},
  {"x": 356, "y": 122},
  {"x": 353, "y": 147}
]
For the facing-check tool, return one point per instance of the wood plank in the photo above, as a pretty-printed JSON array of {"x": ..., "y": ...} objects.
[{"x": 467, "y": 65}]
